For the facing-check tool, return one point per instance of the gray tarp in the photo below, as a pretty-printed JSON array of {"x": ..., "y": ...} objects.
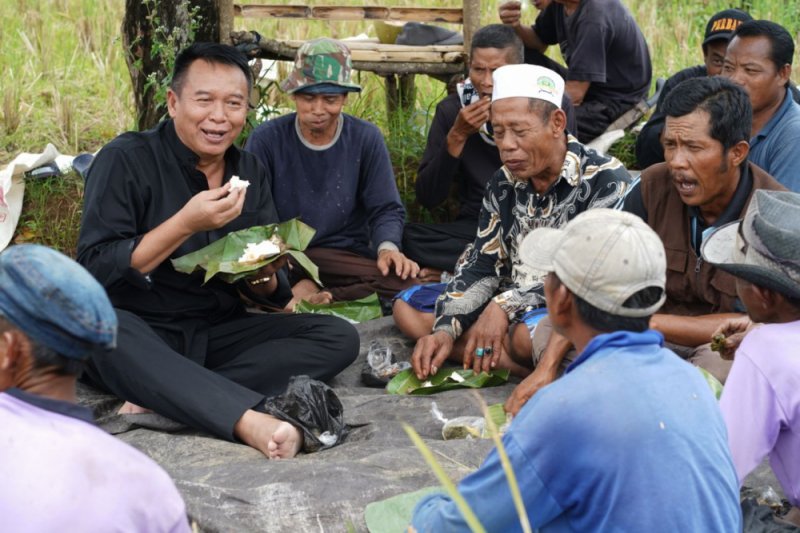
[{"x": 231, "y": 487}]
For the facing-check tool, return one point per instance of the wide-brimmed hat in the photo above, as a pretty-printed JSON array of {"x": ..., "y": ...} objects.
[
  {"x": 321, "y": 66},
  {"x": 764, "y": 247},
  {"x": 604, "y": 257}
]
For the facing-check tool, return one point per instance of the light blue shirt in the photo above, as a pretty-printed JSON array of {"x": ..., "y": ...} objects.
[
  {"x": 776, "y": 148},
  {"x": 629, "y": 439}
]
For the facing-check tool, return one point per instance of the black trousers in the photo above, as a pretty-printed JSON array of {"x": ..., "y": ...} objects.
[
  {"x": 210, "y": 377},
  {"x": 438, "y": 245}
]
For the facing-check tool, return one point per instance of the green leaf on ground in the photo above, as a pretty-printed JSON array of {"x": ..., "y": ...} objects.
[
  {"x": 221, "y": 257},
  {"x": 393, "y": 515},
  {"x": 355, "y": 311},
  {"x": 407, "y": 383}
]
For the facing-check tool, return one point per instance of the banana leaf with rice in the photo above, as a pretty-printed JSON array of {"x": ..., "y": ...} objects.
[{"x": 221, "y": 258}]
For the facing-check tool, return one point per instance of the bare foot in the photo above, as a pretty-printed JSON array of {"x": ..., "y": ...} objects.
[
  {"x": 129, "y": 408},
  {"x": 306, "y": 289},
  {"x": 285, "y": 442},
  {"x": 274, "y": 438}
]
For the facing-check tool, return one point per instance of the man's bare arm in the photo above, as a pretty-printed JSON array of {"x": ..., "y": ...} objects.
[
  {"x": 545, "y": 373},
  {"x": 577, "y": 90},
  {"x": 511, "y": 13},
  {"x": 689, "y": 330}
]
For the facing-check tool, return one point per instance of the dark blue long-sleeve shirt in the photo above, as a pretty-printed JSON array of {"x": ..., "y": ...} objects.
[{"x": 346, "y": 190}]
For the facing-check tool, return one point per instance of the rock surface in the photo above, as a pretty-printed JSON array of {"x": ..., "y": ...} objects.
[{"x": 231, "y": 487}]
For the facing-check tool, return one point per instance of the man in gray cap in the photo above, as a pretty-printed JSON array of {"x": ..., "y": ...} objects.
[
  {"x": 59, "y": 471},
  {"x": 333, "y": 170},
  {"x": 761, "y": 400},
  {"x": 628, "y": 426}
]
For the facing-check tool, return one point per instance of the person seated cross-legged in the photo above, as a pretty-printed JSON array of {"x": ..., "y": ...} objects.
[
  {"x": 548, "y": 177},
  {"x": 190, "y": 350}
]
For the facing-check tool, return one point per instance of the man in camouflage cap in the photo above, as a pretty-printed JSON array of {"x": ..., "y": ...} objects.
[
  {"x": 333, "y": 170},
  {"x": 321, "y": 66}
]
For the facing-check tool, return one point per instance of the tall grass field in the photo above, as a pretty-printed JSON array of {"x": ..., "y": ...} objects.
[{"x": 64, "y": 79}]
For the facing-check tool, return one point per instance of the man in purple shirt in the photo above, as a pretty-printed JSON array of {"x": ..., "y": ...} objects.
[
  {"x": 761, "y": 400},
  {"x": 60, "y": 472}
]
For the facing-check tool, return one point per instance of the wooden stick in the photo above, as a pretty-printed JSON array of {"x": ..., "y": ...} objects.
[{"x": 416, "y": 14}]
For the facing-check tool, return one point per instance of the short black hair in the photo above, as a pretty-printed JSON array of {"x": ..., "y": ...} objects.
[
  {"x": 781, "y": 42},
  {"x": 212, "y": 53},
  {"x": 726, "y": 103},
  {"x": 44, "y": 357},
  {"x": 608, "y": 323},
  {"x": 499, "y": 36}
]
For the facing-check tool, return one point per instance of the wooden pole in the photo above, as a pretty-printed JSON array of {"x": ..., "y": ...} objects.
[
  {"x": 225, "y": 20},
  {"x": 472, "y": 21}
]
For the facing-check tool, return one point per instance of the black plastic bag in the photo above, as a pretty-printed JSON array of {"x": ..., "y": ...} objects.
[{"x": 314, "y": 408}]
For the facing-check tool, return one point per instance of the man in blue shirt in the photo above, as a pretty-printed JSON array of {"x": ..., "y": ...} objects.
[
  {"x": 759, "y": 58},
  {"x": 630, "y": 438}
]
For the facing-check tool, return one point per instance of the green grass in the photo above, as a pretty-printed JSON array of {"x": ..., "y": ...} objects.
[
  {"x": 51, "y": 212},
  {"x": 65, "y": 79}
]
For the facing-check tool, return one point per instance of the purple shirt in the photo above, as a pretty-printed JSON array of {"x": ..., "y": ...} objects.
[
  {"x": 59, "y": 472},
  {"x": 761, "y": 404}
]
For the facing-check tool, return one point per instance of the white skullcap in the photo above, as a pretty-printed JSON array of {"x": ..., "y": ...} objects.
[{"x": 528, "y": 81}]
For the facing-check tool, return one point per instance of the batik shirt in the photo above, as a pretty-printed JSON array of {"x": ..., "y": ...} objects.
[{"x": 511, "y": 209}]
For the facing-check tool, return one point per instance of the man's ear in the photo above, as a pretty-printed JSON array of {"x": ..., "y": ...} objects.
[
  {"x": 559, "y": 306},
  {"x": 738, "y": 153},
  {"x": 172, "y": 102},
  {"x": 9, "y": 348},
  {"x": 12, "y": 346},
  {"x": 558, "y": 121},
  {"x": 785, "y": 73},
  {"x": 767, "y": 298}
]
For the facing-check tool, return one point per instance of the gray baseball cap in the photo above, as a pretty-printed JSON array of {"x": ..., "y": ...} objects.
[{"x": 604, "y": 257}]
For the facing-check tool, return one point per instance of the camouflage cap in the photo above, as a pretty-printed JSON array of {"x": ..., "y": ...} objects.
[{"x": 321, "y": 62}]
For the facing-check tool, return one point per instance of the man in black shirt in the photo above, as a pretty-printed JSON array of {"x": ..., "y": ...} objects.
[
  {"x": 608, "y": 63},
  {"x": 719, "y": 31},
  {"x": 189, "y": 350}
]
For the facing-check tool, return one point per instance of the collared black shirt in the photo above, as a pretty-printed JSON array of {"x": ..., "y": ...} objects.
[
  {"x": 138, "y": 181},
  {"x": 55, "y": 406}
]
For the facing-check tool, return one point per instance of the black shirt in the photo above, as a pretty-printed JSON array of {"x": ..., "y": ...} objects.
[
  {"x": 137, "y": 182},
  {"x": 438, "y": 170},
  {"x": 602, "y": 44}
]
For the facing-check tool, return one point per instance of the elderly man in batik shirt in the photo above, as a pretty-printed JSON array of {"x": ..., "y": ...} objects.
[{"x": 547, "y": 178}]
